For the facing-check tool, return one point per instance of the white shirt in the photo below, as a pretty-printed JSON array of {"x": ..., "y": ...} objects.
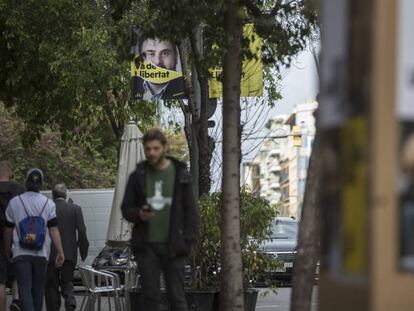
[{"x": 15, "y": 213}]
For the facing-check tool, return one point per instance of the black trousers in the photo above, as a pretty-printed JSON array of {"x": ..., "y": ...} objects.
[
  {"x": 150, "y": 263},
  {"x": 59, "y": 281}
]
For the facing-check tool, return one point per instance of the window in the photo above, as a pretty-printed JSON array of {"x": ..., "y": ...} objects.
[
  {"x": 301, "y": 187},
  {"x": 303, "y": 163}
]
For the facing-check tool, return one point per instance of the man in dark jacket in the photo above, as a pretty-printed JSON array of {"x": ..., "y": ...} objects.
[
  {"x": 159, "y": 201},
  {"x": 71, "y": 225},
  {"x": 8, "y": 190}
]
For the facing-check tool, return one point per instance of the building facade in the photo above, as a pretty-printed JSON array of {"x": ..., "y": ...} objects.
[{"x": 278, "y": 174}]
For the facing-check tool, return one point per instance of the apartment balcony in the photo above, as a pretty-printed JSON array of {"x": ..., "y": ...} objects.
[
  {"x": 285, "y": 196},
  {"x": 275, "y": 168},
  {"x": 284, "y": 178},
  {"x": 274, "y": 185},
  {"x": 274, "y": 153},
  {"x": 274, "y": 202},
  {"x": 263, "y": 191}
]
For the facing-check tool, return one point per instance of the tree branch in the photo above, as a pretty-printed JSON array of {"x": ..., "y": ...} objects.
[
  {"x": 253, "y": 8},
  {"x": 115, "y": 126},
  {"x": 256, "y": 12}
]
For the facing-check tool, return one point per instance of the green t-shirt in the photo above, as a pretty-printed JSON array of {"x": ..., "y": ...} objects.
[{"x": 160, "y": 188}]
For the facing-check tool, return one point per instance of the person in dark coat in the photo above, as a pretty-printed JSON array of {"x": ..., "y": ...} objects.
[
  {"x": 73, "y": 234},
  {"x": 8, "y": 190},
  {"x": 159, "y": 201}
]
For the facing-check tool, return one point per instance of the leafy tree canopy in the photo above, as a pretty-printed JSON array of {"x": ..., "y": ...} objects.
[
  {"x": 78, "y": 166},
  {"x": 89, "y": 164},
  {"x": 285, "y": 26},
  {"x": 65, "y": 65}
]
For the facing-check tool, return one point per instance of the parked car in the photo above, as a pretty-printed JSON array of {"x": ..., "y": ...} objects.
[{"x": 282, "y": 247}]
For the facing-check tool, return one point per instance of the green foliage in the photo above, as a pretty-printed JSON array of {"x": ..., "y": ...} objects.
[
  {"x": 256, "y": 218},
  {"x": 79, "y": 166},
  {"x": 65, "y": 66},
  {"x": 178, "y": 147}
]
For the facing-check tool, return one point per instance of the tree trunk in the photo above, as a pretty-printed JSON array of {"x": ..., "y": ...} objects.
[
  {"x": 231, "y": 283},
  {"x": 205, "y": 142},
  {"x": 308, "y": 251},
  {"x": 190, "y": 112},
  {"x": 200, "y": 83}
]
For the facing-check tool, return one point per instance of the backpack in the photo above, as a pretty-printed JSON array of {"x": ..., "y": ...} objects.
[
  {"x": 5, "y": 198},
  {"x": 32, "y": 230}
]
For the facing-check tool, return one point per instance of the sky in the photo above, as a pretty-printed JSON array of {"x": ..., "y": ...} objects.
[{"x": 300, "y": 83}]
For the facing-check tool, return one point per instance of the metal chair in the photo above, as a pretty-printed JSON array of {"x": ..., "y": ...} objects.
[{"x": 97, "y": 283}]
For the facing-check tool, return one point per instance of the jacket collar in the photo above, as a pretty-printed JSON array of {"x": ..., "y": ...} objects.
[
  {"x": 179, "y": 165},
  {"x": 180, "y": 169}
]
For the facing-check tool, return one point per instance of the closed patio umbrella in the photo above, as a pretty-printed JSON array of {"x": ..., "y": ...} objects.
[{"x": 131, "y": 153}]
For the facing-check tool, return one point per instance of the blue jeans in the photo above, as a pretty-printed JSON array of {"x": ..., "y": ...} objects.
[{"x": 30, "y": 275}]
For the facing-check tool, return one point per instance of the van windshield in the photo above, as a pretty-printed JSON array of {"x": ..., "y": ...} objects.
[{"x": 285, "y": 230}]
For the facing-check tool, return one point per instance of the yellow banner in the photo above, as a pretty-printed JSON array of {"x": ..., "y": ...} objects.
[
  {"x": 251, "y": 83},
  {"x": 152, "y": 73},
  {"x": 353, "y": 195}
]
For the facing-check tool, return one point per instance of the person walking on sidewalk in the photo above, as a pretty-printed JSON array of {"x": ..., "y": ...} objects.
[
  {"x": 73, "y": 234},
  {"x": 8, "y": 190},
  {"x": 31, "y": 226},
  {"x": 159, "y": 201}
]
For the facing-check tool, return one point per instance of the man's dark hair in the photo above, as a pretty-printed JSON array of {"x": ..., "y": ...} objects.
[
  {"x": 141, "y": 41},
  {"x": 34, "y": 179},
  {"x": 154, "y": 134}
]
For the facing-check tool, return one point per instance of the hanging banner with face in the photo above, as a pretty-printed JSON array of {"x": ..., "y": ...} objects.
[
  {"x": 405, "y": 62},
  {"x": 156, "y": 71},
  {"x": 251, "y": 83},
  {"x": 334, "y": 108},
  {"x": 405, "y": 114}
]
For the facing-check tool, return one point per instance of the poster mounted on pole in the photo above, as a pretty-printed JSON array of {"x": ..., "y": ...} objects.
[
  {"x": 334, "y": 108},
  {"x": 251, "y": 83},
  {"x": 405, "y": 62},
  {"x": 156, "y": 71},
  {"x": 344, "y": 120},
  {"x": 405, "y": 114}
]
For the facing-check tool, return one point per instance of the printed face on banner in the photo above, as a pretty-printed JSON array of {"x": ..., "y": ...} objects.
[
  {"x": 156, "y": 70},
  {"x": 160, "y": 53},
  {"x": 405, "y": 113}
]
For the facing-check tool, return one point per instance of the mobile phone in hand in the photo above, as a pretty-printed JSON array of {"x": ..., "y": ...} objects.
[{"x": 146, "y": 209}]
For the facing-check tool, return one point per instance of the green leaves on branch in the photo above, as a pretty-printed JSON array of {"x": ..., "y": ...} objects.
[
  {"x": 79, "y": 165},
  {"x": 256, "y": 218},
  {"x": 65, "y": 65}
]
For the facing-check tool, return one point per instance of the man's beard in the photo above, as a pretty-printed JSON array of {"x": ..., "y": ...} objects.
[{"x": 157, "y": 161}]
